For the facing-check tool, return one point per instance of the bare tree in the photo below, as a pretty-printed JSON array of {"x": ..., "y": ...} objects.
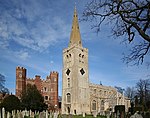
[
  {"x": 2, "y": 81},
  {"x": 143, "y": 91},
  {"x": 130, "y": 18},
  {"x": 130, "y": 93},
  {"x": 3, "y": 89}
]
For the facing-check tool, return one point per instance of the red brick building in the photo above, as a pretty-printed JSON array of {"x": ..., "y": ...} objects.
[{"x": 48, "y": 87}]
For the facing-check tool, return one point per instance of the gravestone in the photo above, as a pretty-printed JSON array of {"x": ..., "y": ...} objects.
[
  {"x": 136, "y": 115},
  {"x": 83, "y": 114},
  {"x": 42, "y": 115},
  {"x": 46, "y": 114},
  {"x": 50, "y": 115},
  {"x": 108, "y": 115},
  {"x": 55, "y": 115},
  {"x": 95, "y": 114},
  {"x": 3, "y": 112},
  {"x": 19, "y": 114},
  {"x": 8, "y": 115}
]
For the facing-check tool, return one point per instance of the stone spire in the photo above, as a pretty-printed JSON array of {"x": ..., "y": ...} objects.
[{"x": 75, "y": 38}]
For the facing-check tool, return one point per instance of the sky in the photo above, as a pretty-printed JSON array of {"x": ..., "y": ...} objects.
[{"x": 33, "y": 34}]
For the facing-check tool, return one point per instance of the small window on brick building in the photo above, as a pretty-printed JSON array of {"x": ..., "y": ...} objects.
[
  {"x": 45, "y": 89},
  {"x": 51, "y": 98},
  {"x": 54, "y": 79},
  {"x": 46, "y": 97}
]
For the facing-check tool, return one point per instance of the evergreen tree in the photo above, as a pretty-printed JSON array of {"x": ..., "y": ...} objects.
[
  {"x": 11, "y": 102},
  {"x": 32, "y": 99}
]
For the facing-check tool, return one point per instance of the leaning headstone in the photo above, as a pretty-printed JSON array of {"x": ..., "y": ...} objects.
[
  {"x": 42, "y": 115},
  {"x": 8, "y": 115}
]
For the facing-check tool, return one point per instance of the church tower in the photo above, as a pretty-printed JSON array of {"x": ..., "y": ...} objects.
[{"x": 75, "y": 88}]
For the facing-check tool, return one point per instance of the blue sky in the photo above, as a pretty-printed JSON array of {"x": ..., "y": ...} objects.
[{"x": 33, "y": 34}]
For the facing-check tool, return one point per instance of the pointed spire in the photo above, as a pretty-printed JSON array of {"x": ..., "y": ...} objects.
[{"x": 75, "y": 37}]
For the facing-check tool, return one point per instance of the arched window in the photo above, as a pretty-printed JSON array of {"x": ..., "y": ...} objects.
[
  {"x": 93, "y": 105},
  {"x": 68, "y": 98},
  {"x": 102, "y": 105}
]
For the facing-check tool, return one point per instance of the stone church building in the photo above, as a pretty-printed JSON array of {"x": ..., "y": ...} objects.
[
  {"x": 48, "y": 87},
  {"x": 78, "y": 94}
]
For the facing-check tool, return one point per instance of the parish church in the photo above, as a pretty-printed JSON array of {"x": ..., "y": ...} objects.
[{"x": 78, "y": 94}]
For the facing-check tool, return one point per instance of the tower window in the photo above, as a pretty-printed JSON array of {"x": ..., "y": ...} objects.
[
  {"x": 68, "y": 82},
  {"x": 68, "y": 98},
  {"x": 82, "y": 71},
  {"x": 79, "y": 55},
  {"x": 68, "y": 72}
]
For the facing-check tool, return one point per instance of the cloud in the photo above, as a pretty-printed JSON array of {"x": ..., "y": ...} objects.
[
  {"x": 23, "y": 55},
  {"x": 30, "y": 25},
  {"x": 15, "y": 56}
]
